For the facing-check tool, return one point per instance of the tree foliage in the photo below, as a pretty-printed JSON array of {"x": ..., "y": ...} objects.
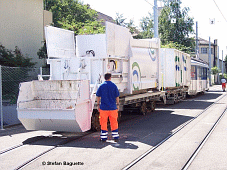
[
  {"x": 177, "y": 46},
  {"x": 225, "y": 63},
  {"x": 120, "y": 20},
  {"x": 147, "y": 27},
  {"x": 178, "y": 31},
  {"x": 215, "y": 70},
  {"x": 14, "y": 58},
  {"x": 73, "y": 15}
]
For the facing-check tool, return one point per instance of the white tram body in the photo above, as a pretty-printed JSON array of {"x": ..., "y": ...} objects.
[
  {"x": 65, "y": 102},
  {"x": 199, "y": 77}
]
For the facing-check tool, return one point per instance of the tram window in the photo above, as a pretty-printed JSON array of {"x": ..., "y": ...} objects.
[
  {"x": 199, "y": 73},
  {"x": 204, "y": 76},
  {"x": 193, "y": 72}
]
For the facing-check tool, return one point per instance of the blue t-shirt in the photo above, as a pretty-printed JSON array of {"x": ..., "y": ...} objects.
[{"x": 108, "y": 92}]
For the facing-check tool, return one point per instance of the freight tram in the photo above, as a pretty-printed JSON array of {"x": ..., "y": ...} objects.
[{"x": 142, "y": 71}]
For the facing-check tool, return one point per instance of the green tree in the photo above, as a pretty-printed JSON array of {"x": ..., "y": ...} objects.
[
  {"x": 11, "y": 77},
  {"x": 147, "y": 27},
  {"x": 177, "y": 46},
  {"x": 120, "y": 20},
  {"x": 14, "y": 58},
  {"x": 215, "y": 70},
  {"x": 178, "y": 31},
  {"x": 73, "y": 15},
  {"x": 225, "y": 61}
]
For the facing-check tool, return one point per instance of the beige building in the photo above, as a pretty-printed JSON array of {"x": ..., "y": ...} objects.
[
  {"x": 22, "y": 24},
  {"x": 204, "y": 51}
]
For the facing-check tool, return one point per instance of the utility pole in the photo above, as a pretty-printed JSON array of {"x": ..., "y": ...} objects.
[
  {"x": 222, "y": 66},
  {"x": 155, "y": 19},
  {"x": 209, "y": 62},
  {"x": 218, "y": 65},
  {"x": 197, "y": 41},
  {"x": 1, "y": 112}
]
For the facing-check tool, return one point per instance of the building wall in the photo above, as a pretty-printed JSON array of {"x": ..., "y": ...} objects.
[
  {"x": 205, "y": 57},
  {"x": 21, "y": 24},
  {"x": 47, "y": 19}
]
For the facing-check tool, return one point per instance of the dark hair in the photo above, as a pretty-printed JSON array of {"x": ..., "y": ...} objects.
[{"x": 107, "y": 76}]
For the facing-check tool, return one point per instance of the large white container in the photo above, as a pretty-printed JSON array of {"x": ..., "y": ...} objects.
[
  {"x": 175, "y": 68},
  {"x": 133, "y": 63},
  {"x": 66, "y": 101}
]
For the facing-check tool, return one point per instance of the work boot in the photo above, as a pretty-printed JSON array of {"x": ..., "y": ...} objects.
[
  {"x": 116, "y": 140},
  {"x": 103, "y": 140}
]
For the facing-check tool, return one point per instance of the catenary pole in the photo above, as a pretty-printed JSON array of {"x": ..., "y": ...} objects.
[
  {"x": 218, "y": 65},
  {"x": 197, "y": 46},
  {"x": 222, "y": 66},
  {"x": 1, "y": 97},
  {"x": 155, "y": 19},
  {"x": 209, "y": 62}
]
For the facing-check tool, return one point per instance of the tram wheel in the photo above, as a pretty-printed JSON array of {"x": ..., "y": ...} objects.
[
  {"x": 143, "y": 108},
  {"x": 95, "y": 125}
]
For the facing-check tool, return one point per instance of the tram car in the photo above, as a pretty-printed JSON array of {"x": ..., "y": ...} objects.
[{"x": 199, "y": 77}]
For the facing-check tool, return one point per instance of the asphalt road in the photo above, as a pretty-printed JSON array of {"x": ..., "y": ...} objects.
[{"x": 137, "y": 135}]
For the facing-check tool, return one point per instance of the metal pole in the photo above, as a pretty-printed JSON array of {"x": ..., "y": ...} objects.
[
  {"x": 1, "y": 97},
  {"x": 155, "y": 19},
  {"x": 218, "y": 65},
  {"x": 209, "y": 62},
  {"x": 197, "y": 40},
  {"x": 222, "y": 66}
]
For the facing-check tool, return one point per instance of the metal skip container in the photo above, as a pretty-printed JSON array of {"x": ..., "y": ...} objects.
[{"x": 55, "y": 105}]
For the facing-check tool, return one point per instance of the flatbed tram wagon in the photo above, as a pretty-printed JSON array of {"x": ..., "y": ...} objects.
[{"x": 66, "y": 102}]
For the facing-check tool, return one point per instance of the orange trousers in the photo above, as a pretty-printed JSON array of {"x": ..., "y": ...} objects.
[
  {"x": 223, "y": 85},
  {"x": 103, "y": 118}
]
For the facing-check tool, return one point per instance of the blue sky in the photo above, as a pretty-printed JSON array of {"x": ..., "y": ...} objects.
[{"x": 201, "y": 10}]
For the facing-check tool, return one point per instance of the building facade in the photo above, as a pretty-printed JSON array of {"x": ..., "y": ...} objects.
[
  {"x": 22, "y": 25},
  {"x": 204, "y": 51}
]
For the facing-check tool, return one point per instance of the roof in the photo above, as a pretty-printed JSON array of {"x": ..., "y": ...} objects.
[
  {"x": 104, "y": 17},
  {"x": 199, "y": 60},
  {"x": 205, "y": 42}
]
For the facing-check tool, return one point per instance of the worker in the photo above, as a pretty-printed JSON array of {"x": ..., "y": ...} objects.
[
  {"x": 223, "y": 82},
  {"x": 108, "y": 94}
]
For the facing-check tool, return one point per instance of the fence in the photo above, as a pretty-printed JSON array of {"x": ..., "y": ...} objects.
[{"x": 11, "y": 77}]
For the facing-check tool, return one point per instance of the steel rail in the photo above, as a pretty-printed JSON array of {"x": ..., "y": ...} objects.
[
  {"x": 193, "y": 156},
  {"x": 169, "y": 136},
  {"x": 20, "y": 145},
  {"x": 52, "y": 148}
]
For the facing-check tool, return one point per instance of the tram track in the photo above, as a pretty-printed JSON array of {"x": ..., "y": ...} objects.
[
  {"x": 187, "y": 164},
  {"x": 31, "y": 159},
  {"x": 19, "y": 145},
  {"x": 45, "y": 152},
  {"x": 191, "y": 159}
]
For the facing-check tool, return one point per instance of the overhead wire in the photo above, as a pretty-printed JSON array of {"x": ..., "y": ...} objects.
[
  {"x": 220, "y": 10},
  {"x": 149, "y": 3}
]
